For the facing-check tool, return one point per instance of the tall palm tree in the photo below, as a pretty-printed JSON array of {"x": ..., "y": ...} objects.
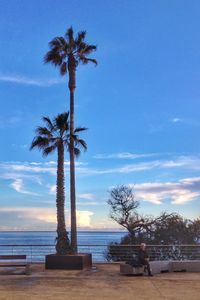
[
  {"x": 67, "y": 53},
  {"x": 55, "y": 136}
]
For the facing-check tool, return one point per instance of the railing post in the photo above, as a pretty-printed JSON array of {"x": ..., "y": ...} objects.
[{"x": 31, "y": 255}]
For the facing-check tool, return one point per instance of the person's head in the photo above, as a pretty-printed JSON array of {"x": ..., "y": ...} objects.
[{"x": 142, "y": 246}]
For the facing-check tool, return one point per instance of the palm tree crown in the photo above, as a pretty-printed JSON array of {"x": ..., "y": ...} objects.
[
  {"x": 68, "y": 51},
  {"x": 57, "y": 132}
]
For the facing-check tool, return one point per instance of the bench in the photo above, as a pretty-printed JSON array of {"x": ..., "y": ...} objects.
[{"x": 16, "y": 261}]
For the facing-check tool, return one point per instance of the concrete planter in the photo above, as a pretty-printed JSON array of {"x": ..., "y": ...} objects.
[
  {"x": 127, "y": 269},
  {"x": 175, "y": 266},
  {"x": 77, "y": 261}
]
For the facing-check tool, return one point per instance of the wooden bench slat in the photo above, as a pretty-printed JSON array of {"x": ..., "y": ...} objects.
[
  {"x": 13, "y": 265},
  {"x": 12, "y": 257}
]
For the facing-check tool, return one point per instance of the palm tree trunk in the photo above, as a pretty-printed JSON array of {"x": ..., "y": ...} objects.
[
  {"x": 72, "y": 86},
  {"x": 62, "y": 244}
]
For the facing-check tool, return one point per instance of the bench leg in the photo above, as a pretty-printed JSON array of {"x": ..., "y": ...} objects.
[{"x": 27, "y": 270}]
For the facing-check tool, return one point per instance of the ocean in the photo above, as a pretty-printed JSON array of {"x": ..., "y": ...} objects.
[{"x": 36, "y": 244}]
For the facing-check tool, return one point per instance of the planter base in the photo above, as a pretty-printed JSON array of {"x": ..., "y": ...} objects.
[{"x": 77, "y": 261}]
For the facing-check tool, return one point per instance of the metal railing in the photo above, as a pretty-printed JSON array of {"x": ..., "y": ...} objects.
[
  {"x": 156, "y": 252},
  {"x": 110, "y": 253},
  {"x": 36, "y": 253}
]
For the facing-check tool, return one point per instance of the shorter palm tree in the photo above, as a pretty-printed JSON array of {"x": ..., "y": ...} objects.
[{"x": 55, "y": 136}]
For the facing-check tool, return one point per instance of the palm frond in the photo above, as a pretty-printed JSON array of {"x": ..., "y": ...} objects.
[
  {"x": 49, "y": 123},
  {"x": 58, "y": 43},
  {"x": 81, "y": 47},
  {"x": 86, "y": 60},
  {"x": 79, "y": 129},
  {"x": 54, "y": 57},
  {"x": 61, "y": 122},
  {"x": 85, "y": 49},
  {"x": 80, "y": 143},
  {"x": 80, "y": 37},
  {"x": 70, "y": 37},
  {"x": 92, "y": 60},
  {"x": 43, "y": 131},
  {"x": 48, "y": 150},
  {"x": 63, "y": 68},
  {"x": 66, "y": 143},
  {"x": 77, "y": 152},
  {"x": 40, "y": 143}
]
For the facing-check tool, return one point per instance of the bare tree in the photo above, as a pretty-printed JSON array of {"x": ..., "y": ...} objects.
[{"x": 124, "y": 210}]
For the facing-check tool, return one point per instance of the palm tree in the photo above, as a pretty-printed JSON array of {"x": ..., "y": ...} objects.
[
  {"x": 67, "y": 53},
  {"x": 55, "y": 136}
]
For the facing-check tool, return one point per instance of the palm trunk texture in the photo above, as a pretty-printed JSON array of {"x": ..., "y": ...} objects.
[
  {"x": 72, "y": 86},
  {"x": 62, "y": 243}
]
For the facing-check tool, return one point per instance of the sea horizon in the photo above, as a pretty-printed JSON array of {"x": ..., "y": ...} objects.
[{"x": 78, "y": 230}]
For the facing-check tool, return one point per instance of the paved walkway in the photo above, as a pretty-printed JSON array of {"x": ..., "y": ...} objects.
[{"x": 101, "y": 283}]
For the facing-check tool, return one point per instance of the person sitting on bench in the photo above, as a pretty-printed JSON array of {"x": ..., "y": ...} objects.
[{"x": 143, "y": 258}]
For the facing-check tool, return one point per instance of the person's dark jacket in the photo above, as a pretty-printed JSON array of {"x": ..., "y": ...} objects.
[{"x": 142, "y": 255}]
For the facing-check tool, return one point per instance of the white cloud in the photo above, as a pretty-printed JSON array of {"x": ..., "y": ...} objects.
[
  {"x": 52, "y": 189},
  {"x": 84, "y": 218},
  {"x": 15, "y": 175},
  {"x": 29, "y": 168},
  {"x": 179, "y": 192},
  {"x": 188, "y": 162},
  {"x": 187, "y": 121},
  {"x": 41, "y": 215},
  {"x": 36, "y": 169},
  {"x": 90, "y": 197},
  {"x": 185, "y": 162},
  {"x": 38, "y": 213},
  {"x": 87, "y": 203},
  {"x": 124, "y": 169},
  {"x": 123, "y": 155},
  {"x": 86, "y": 196},
  {"x": 175, "y": 120},
  {"x": 18, "y": 186},
  {"x": 29, "y": 81}
]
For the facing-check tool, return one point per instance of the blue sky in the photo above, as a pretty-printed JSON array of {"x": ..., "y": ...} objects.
[{"x": 141, "y": 105}]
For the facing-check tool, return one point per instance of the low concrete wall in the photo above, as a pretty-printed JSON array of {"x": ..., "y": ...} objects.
[
  {"x": 160, "y": 266},
  {"x": 163, "y": 266},
  {"x": 175, "y": 266},
  {"x": 188, "y": 265}
]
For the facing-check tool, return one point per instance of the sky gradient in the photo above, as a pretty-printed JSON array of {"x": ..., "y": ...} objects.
[{"x": 141, "y": 105}]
